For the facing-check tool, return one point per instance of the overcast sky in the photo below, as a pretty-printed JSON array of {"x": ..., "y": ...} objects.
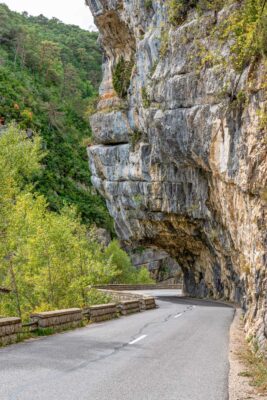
[{"x": 69, "y": 11}]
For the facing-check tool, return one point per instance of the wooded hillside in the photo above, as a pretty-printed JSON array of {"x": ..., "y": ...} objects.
[{"x": 49, "y": 74}]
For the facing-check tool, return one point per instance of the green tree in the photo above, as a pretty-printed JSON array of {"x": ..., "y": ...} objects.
[{"x": 47, "y": 258}]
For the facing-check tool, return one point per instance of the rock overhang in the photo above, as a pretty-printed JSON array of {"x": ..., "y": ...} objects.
[{"x": 176, "y": 163}]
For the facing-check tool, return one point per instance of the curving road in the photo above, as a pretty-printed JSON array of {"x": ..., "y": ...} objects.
[{"x": 176, "y": 352}]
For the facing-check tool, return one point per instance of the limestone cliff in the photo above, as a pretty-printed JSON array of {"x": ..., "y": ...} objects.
[{"x": 180, "y": 151}]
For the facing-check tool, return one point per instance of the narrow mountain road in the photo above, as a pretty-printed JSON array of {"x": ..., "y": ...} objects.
[{"x": 176, "y": 352}]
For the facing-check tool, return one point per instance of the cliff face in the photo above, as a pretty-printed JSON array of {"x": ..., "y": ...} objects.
[{"x": 180, "y": 154}]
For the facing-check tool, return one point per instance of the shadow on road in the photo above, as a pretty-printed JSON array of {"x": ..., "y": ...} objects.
[{"x": 194, "y": 302}]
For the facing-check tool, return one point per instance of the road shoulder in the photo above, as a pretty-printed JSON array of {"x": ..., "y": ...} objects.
[{"x": 239, "y": 384}]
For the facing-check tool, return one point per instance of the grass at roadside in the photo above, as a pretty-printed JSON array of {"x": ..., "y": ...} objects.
[{"x": 256, "y": 369}]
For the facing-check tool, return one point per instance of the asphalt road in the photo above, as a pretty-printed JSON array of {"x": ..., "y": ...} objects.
[{"x": 176, "y": 352}]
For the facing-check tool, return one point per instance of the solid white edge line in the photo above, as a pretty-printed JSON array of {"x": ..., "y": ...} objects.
[
  {"x": 178, "y": 315},
  {"x": 138, "y": 339}
]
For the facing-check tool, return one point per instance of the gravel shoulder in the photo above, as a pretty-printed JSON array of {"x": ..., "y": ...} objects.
[{"x": 239, "y": 385}]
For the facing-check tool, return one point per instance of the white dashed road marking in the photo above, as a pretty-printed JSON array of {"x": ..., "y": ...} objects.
[{"x": 138, "y": 339}]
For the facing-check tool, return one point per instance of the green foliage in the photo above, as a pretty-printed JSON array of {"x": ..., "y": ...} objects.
[
  {"x": 46, "y": 258},
  {"x": 52, "y": 331},
  {"x": 49, "y": 74},
  {"x": 139, "y": 249},
  {"x": 203, "y": 57},
  {"x": 44, "y": 332},
  {"x": 122, "y": 262},
  {"x": 255, "y": 365},
  {"x": 145, "y": 98},
  {"x": 247, "y": 27},
  {"x": 178, "y": 9},
  {"x": 164, "y": 43},
  {"x": 135, "y": 138},
  {"x": 143, "y": 276},
  {"x": 126, "y": 273},
  {"x": 19, "y": 161},
  {"x": 138, "y": 198},
  {"x": 164, "y": 272},
  {"x": 148, "y": 4},
  {"x": 263, "y": 34},
  {"x": 96, "y": 297},
  {"x": 211, "y": 5},
  {"x": 262, "y": 114},
  {"x": 121, "y": 76}
]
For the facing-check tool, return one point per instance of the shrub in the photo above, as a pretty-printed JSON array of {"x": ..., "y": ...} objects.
[
  {"x": 164, "y": 43},
  {"x": 148, "y": 4},
  {"x": 178, "y": 9},
  {"x": 121, "y": 261},
  {"x": 135, "y": 138},
  {"x": 263, "y": 35},
  {"x": 145, "y": 98},
  {"x": 143, "y": 276},
  {"x": 96, "y": 297},
  {"x": 121, "y": 76},
  {"x": 247, "y": 27},
  {"x": 125, "y": 271}
]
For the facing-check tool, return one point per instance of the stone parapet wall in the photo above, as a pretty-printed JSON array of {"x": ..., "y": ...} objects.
[
  {"x": 148, "y": 303},
  {"x": 125, "y": 303},
  {"x": 9, "y": 330},
  {"x": 178, "y": 286},
  {"x": 120, "y": 296},
  {"x": 59, "y": 319},
  {"x": 102, "y": 312},
  {"x": 129, "y": 307}
]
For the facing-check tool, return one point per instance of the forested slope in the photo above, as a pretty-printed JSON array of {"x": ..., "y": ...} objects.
[{"x": 49, "y": 74}]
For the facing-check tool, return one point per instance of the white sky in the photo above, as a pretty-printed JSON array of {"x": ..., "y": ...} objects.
[{"x": 69, "y": 11}]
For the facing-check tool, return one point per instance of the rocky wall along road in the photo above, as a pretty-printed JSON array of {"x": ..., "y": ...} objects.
[{"x": 179, "y": 152}]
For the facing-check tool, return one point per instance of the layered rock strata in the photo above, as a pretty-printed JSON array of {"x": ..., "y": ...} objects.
[{"x": 181, "y": 159}]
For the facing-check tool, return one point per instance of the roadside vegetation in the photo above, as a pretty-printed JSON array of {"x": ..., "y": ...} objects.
[
  {"x": 47, "y": 259},
  {"x": 256, "y": 368}
]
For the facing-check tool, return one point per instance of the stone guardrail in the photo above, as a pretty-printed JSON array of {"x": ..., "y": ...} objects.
[
  {"x": 129, "y": 307},
  {"x": 123, "y": 293},
  {"x": 146, "y": 302},
  {"x": 125, "y": 303},
  {"x": 101, "y": 312},
  {"x": 9, "y": 330},
  {"x": 59, "y": 319},
  {"x": 178, "y": 286}
]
